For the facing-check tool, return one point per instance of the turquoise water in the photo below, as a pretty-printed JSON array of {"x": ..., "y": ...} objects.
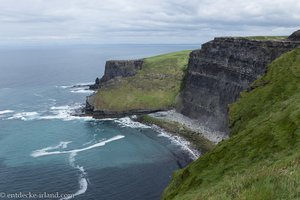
[{"x": 44, "y": 149}]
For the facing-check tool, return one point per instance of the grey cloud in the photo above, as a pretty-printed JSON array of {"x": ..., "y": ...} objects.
[
  {"x": 138, "y": 21},
  {"x": 31, "y": 18}
]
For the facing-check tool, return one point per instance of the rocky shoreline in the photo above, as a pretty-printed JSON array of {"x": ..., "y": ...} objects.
[
  {"x": 195, "y": 140},
  {"x": 111, "y": 114},
  {"x": 192, "y": 124}
]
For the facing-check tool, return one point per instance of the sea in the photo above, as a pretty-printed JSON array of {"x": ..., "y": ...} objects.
[{"x": 48, "y": 153}]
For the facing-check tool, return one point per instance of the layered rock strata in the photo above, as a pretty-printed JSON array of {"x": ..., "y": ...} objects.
[{"x": 219, "y": 71}]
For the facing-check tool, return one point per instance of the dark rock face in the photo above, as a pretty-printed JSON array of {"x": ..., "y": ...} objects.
[
  {"x": 96, "y": 85},
  {"x": 113, "y": 69},
  {"x": 123, "y": 68},
  {"x": 295, "y": 36},
  {"x": 220, "y": 71},
  {"x": 118, "y": 68}
]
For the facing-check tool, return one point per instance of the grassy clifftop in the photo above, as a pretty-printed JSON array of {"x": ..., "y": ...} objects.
[
  {"x": 266, "y": 37},
  {"x": 155, "y": 86},
  {"x": 261, "y": 160}
]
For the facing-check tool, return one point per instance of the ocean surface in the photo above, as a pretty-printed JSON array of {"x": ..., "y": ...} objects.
[{"x": 46, "y": 151}]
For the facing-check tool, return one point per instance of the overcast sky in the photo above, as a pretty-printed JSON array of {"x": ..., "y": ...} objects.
[{"x": 142, "y": 21}]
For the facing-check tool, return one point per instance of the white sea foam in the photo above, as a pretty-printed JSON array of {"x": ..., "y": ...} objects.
[
  {"x": 184, "y": 145},
  {"x": 83, "y": 90},
  {"x": 78, "y": 85},
  {"x": 25, "y": 116},
  {"x": 83, "y": 182},
  {"x": 84, "y": 84},
  {"x": 46, "y": 152},
  {"x": 128, "y": 122},
  {"x": 60, "y": 107},
  {"x": 64, "y": 112},
  {"x": 72, "y": 159},
  {"x": 65, "y": 86},
  {"x": 2, "y": 112},
  {"x": 60, "y": 112},
  {"x": 61, "y": 145},
  {"x": 83, "y": 185}
]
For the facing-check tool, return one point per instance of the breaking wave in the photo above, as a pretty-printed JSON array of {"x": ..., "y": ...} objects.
[
  {"x": 128, "y": 122},
  {"x": 25, "y": 116},
  {"x": 82, "y": 91},
  {"x": 65, "y": 113},
  {"x": 184, "y": 145},
  {"x": 77, "y": 85},
  {"x": 3, "y": 112}
]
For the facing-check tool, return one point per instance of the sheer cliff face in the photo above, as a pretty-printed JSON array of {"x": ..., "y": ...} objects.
[
  {"x": 220, "y": 71},
  {"x": 122, "y": 68}
]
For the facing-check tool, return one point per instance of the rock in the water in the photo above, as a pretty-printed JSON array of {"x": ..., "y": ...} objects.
[
  {"x": 96, "y": 85},
  {"x": 295, "y": 36}
]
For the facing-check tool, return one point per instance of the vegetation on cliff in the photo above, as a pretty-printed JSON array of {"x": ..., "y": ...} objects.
[
  {"x": 261, "y": 160},
  {"x": 155, "y": 86},
  {"x": 266, "y": 37}
]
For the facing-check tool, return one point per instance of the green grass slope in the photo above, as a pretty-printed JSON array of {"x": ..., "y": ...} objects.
[
  {"x": 156, "y": 86},
  {"x": 266, "y": 37},
  {"x": 261, "y": 160}
]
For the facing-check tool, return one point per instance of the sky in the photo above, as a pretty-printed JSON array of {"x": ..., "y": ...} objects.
[{"x": 142, "y": 21}]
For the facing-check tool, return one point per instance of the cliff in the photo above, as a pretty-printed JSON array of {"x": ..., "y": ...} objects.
[
  {"x": 121, "y": 68},
  {"x": 261, "y": 159},
  {"x": 222, "y": 69},
  {"x": 138, "y": 86}
]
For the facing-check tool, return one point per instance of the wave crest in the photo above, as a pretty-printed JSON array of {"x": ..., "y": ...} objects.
[
  {"x": 128, "y": 122},
  {"x": 46, "y": 152},
  {"x": 184, "y": 145},
  {"x": 2, "y": 112}
]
